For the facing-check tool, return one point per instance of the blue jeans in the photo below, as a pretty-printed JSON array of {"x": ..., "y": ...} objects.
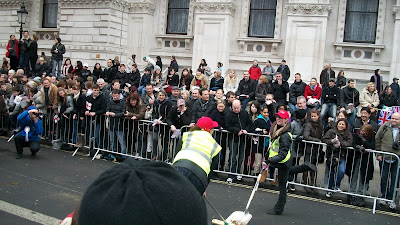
[
  {"x": 121, "y": 139},
  {"x": 75, "y": 131},
  {"x": 328, "y": 107},
  {"x": 292, "y": 108},
  {"x": 244, "y": 102},
  {"x": 235, "y": 148},
  {"x": 24, "y": 62},
  {"x": 56, "y": 65},
  {"x": 141, "y": 90},
  {"x": 332, "y": 181},
  {"x": 352, "y": 117},
  {"x": 97, "y": 136},
  {"x": 389, "y": 169}
]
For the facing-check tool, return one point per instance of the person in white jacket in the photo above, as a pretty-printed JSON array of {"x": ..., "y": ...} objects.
[
  {"x": 231, "y": 82},
  {"x": 369, "y": 97},
  {"x": 150, "y": 63}
]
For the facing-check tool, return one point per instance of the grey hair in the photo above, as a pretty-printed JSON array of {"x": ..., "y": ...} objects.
[{"x": 301, "y": 98}]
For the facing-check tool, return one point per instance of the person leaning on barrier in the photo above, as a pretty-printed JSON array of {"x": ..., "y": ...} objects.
[
  {"x": 179, "y": 115},
  {"x": 203, "y": 106},
  {"x": 238, "y": 122},
  {"x": 198, "y": 148},
  {"x": 337, "y": 139},
  {"x": 279, "y": 156},
  {"x": 160, "y": 111},
  {"x": 388, "y": 140},
  {"x": 78, "y": 116},
  {"x": 361, "y": 170},
  {"x": 30, "y": 129}
]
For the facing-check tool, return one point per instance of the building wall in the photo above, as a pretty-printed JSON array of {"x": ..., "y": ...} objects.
[{"x": 308, "y": 33}]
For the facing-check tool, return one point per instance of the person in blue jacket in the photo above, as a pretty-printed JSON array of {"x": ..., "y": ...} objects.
[{"x": 30, "y": 129}]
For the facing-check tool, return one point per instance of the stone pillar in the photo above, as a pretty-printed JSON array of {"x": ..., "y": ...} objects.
[
  {"x": 212, "y": 26},
  {"x": 395, "y": 65},
  {"x": 306, "y": 36}
]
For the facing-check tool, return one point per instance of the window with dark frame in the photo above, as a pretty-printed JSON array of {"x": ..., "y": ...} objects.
[
  {"x": 50, "y": 12},
  {"x": 178, "y": 16},
  {"x": 262, "y": 18},
  {"x": 361, "y": 21}
]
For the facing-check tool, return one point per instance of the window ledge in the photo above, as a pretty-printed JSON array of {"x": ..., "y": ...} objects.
[
  {"x": 266, "y": 40},
  {"x": 174, "y": 36},
  {"x": 267, "y": 44},
  {"x": 359, "y": 45},
  {"x": 46, "y": 30}
]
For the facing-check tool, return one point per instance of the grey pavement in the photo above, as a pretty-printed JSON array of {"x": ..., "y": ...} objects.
[{"x": 53, "y": 183}]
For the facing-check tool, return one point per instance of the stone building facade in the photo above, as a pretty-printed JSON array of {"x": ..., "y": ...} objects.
[{"x": 307, "y": 33}]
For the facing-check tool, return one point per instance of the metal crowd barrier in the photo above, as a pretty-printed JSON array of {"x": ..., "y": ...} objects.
[{"x": 240, "y": 155}]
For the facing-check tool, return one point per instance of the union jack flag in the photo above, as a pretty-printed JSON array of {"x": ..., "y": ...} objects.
[
  {"x": 395, "y": 109},
  {"x": 384, "y": 116}
]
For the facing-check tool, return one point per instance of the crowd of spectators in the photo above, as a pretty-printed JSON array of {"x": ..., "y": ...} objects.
[{"x": 329, "y": 109}]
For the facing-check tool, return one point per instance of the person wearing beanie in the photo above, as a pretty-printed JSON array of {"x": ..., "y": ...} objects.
[
  {"x": 141, "y": 192},
  {"x": 198, "y": 149},
  {"x": 30, "y": 129}
]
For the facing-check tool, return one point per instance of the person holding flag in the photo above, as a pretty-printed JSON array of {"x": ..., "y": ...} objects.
[{"x": 30, "y": 129}]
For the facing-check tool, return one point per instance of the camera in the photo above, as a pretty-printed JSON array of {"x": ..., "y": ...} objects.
[
  {"x": 38, "y": 114},
  {"x": 396, "y": 145}
]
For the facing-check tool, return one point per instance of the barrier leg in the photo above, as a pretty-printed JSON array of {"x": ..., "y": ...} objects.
[
  {"x": 77, "y": 149},
  {"x": 97, "y": 152},
  {"x": 374, "y": 209}
]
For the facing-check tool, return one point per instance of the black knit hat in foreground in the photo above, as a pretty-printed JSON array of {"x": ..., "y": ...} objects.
[{"x": 142, "y": 192}]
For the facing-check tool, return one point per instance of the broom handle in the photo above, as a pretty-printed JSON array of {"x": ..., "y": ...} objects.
[{"x": 252, "y": 193}]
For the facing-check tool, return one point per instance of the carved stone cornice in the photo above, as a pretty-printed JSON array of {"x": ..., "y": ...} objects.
[
  {"x": 14, "y": 4},
  {"x": 121, "y": 5},
  {"x": 211, "y": 7},
  {"x": 308, "y": 9},
  {"x": 396, "y": 11}
]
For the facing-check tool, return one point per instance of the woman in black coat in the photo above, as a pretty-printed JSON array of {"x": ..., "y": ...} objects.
[
  {"x": 97, "y": 71},
  {"x": 161, "y": 107},
  {"x": 360, "y": 164},
  {"x": 388, "y": 98}
]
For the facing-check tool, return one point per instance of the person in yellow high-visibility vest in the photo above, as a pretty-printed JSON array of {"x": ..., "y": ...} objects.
[
  {"x": 198, "y": 148},
  {"x": 279, "y": 157}
]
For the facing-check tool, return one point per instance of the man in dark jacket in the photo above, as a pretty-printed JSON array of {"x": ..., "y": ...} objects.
[
  {"x": 33, "y": 56},
  {"x": 42, "y": 68},
  {"x": 96, "y": 106},
  {"x": 23, "y": 46},
  {"x": 179, "y": 115},
  {"x": 203, "y": 106},
  {"x": 109, "y": 72},
  {"x": 238, "y": 122},
  {"x": 85, "y": 73},
  {"x": 326, "y": 75},
  {"x": 280, "y": 88},
  {"x": 296, "y": 90},
  {"x": 284, "y": 70},
  {"x": 134, "y": 77},
  {"x": 349, "y": 96},
  {"x": 330, "y": 98},
  {"x": 246, "y": 90},
  {"x": 57, "y": 52},
  {"x": 395, "y": 87},
  {"x": 115, "y": 111},
  {"x": 122, "y": 75}
]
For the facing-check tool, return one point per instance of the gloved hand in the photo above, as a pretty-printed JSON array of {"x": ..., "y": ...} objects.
[
  {"x": 334, "y": 140},
  {"x": 298, "y": 138},
  {"x": 360, "y": 148},
  {"x": 337, "y": 144}
]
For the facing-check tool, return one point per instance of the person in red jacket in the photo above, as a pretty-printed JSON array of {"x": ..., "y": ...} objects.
[
  {"x": 255, "y": 71},
  {"x": 312, "y": 93},
  {"x": 13, "y": 52}
]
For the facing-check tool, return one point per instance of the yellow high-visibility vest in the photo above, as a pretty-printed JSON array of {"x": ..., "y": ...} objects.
[
  {"x": 274, "y": 149},
  {"x": 198, "y": 147}
]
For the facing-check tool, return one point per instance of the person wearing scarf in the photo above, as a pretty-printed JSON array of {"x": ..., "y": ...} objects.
[
  {"x": 377, "y": 79},
  {"x": 313, "y": 91},
  {"x": 279, "y": 156}
]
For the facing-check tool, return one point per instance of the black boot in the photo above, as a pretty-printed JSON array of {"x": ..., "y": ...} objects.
[{"x": 311, "y": 166}]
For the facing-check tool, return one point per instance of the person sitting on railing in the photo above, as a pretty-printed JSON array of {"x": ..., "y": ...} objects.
[
  {"x": 202, "y": 107},
  {"x": 260, "y": 126},
  {"x": 115, "y": 113},
  {"x": 369, "y": 97},
  {"x": 388, "y": 140},
  {"x": 349, "y": 100},
  {"x": 337, "y": 139},
  {"x": 96, "y": 106},
  {"x": 160, "y": 111},
  {"x": 362, "y": 169},
  {"x": 238, "y": 122},
  {"x": 388, "y": 98},
  {"x": 296, "y": 128},
  {"x": 313, "y": 131},
  {"x": 329, "y": 99}
]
